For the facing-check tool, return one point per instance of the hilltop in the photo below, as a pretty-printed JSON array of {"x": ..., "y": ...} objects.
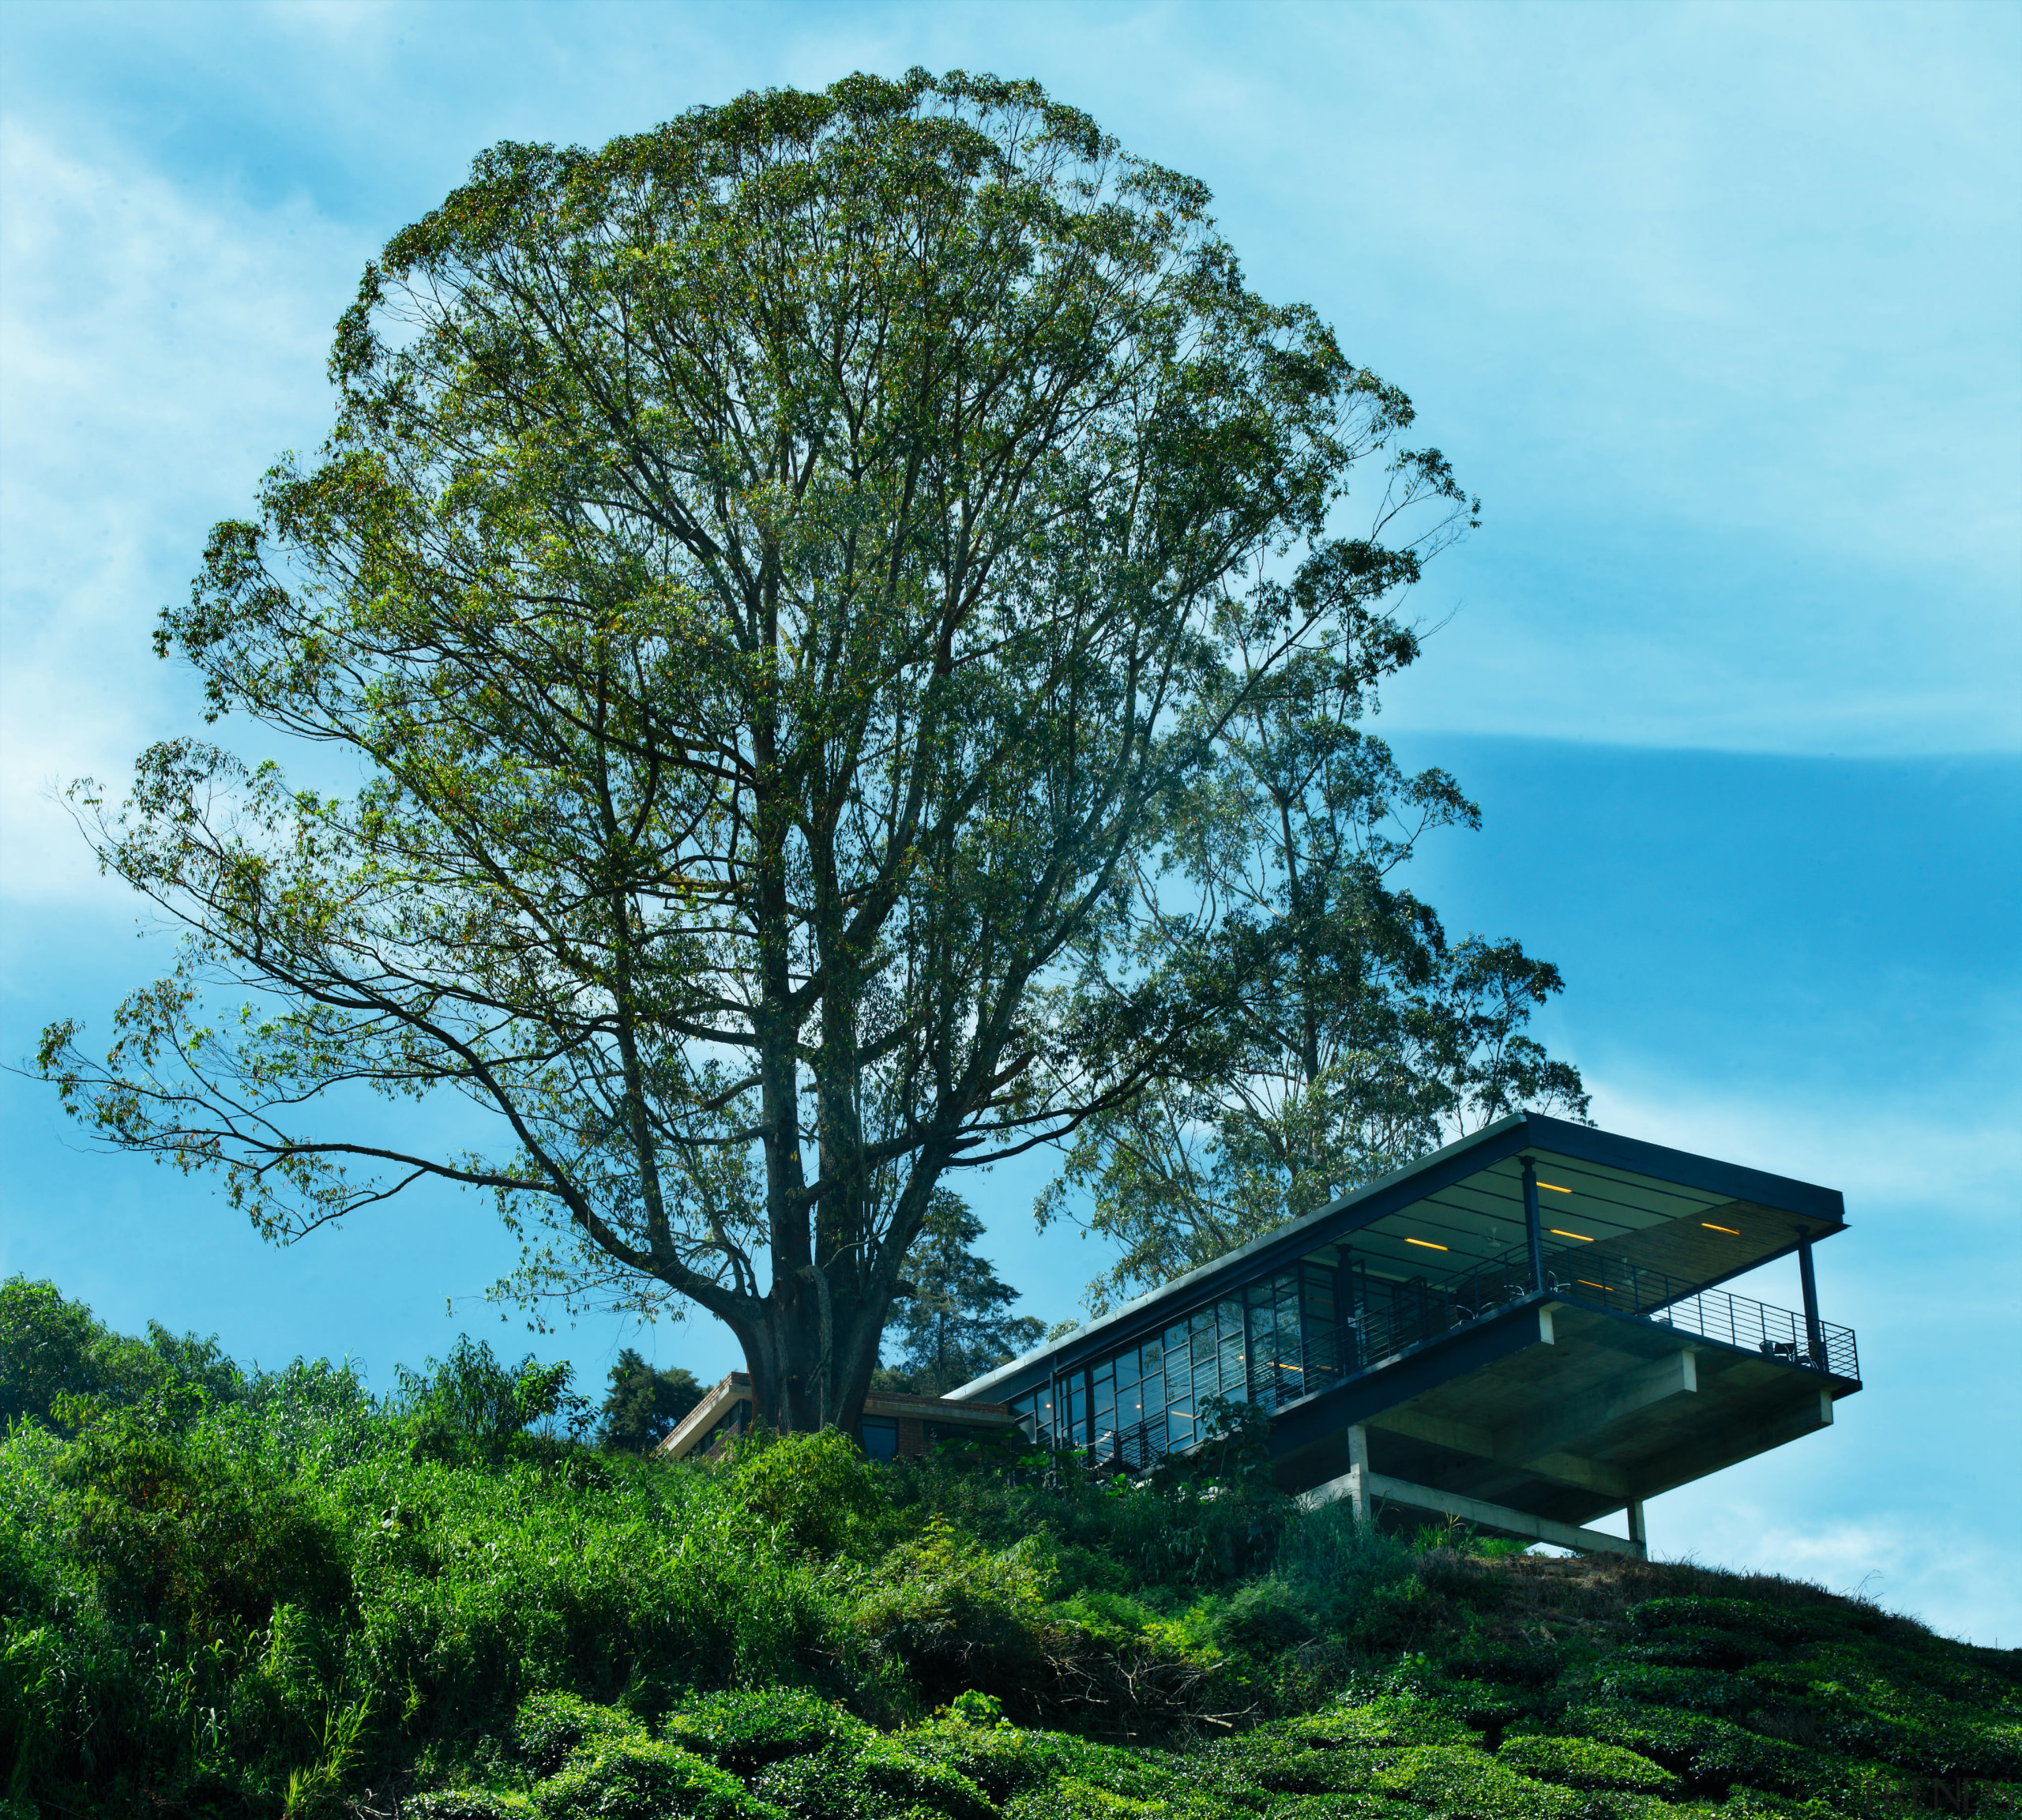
[{"x": 225, "y": 1592}]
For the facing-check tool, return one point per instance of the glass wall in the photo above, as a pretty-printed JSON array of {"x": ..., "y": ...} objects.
[{"x": 1278, "y": 1339}]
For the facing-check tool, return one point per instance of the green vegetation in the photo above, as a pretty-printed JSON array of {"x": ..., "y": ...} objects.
[{"x": 229, "y": 1592}]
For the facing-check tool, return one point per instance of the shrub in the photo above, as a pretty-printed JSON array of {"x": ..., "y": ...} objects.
[
  {"x": 870, "y": 1778},
  {"x": 624, "y": 1777},
  {"x": 1469, "y": 1785},
  {"x": 467, "y": 1804},
  {"x": 1004, "y": 1760},
  {"x": 1696, "y": 1689},
  {"x": 1582, "y": 1763},
  {"x": 957, "y": 1615},
  {"x": 173, "y": 1528},
  {"x": 746, "y": 1731},
  {"x": 1265, "y": 1616},
  {"x": 1482, "y": 1705},
  {"x": 1749, "y": 1617},
  {"x": 1394, "y": 1721},
  {"x": 550, "y": 1728},
  {"x": 1272, "y": 1760},
  {"x": 471, "y": 1407},
  {"x": 818, "y": 1491},
  {"x": 1713, "y": 1755},
  {"x": 1701, "y": 1646},
  {"x": 1504, "y": 1663},
  {"x": 1364, "y": 1805},
  {"x": 1070, "y": 1798}
]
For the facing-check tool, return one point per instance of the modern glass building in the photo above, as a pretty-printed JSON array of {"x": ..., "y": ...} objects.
[{"x": 1526, "y": 1329}]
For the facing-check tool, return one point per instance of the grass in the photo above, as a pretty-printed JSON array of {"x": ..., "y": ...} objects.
[{"x": 230, "y": 1594}]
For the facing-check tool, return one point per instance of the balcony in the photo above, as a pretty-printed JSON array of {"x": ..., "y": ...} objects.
[
  {"x": 1394, "y": 1321},
  {"x": 1526, "y": 1329}
]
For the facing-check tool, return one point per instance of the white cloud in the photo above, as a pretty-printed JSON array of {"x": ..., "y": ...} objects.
[
  {"x": 159, "y": 348},
  {"x": 1951, "y": 1576},
  {"x": 1885, "y": 1151}
]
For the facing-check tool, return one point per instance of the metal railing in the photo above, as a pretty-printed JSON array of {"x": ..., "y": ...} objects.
[
  {"x": 1390, "y": 1319},
  {"x": 1626, "y": 1288}
]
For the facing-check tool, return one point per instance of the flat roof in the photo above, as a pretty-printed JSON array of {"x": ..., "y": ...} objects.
[{"x": 1694, "y": 1217}]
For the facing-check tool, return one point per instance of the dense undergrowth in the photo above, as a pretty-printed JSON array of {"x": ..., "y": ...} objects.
[{"x": 228, "y": 1594}]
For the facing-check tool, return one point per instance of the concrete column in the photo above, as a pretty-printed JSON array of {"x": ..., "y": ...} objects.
[
  {"x": 1637, "y": 1532},
  {"x": 1358, "y": 1471}
]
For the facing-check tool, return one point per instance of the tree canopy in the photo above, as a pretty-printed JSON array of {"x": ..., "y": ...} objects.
[
  {"x": 1358, "y": 1037},
  {"x": 955, "y": 1321},
  {"x": 779, "y": 577},
  {"x": 644, "y": 1402}
]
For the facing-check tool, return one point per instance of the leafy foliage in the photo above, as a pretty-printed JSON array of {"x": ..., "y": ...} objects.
[
  {"x": 471, "y": 1405},
  {"x": 52, "y": 1349},
  {"x": 294, "y": 1600},
  {"x": 1358, "y": 1035},
  {"x": 957, "y": 1324},
  {"x": 618, "y": 1776},
  {"x": 746, "y": 1731},
  {"x": 643, "y": 1404},
  {"x": 770, "y": 572}
]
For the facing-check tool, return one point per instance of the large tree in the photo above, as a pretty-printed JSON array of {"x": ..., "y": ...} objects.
[
  {"x": 954, "y": 1322},
  {"x": 1357, "y": 1036},
  {"x": 766, "y": 572}
]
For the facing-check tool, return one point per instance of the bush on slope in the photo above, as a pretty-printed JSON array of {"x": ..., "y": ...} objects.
[{"x": 244, "y": 1593}]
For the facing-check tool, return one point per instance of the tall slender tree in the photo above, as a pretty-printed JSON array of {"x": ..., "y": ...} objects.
[
  {"x": 954, "y": 1322},
  {"x": 1357, "y": 1036},
  {"x": 769, "y": 571}
]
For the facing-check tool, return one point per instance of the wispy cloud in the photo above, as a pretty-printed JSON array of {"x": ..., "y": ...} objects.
[
  {"x": 1949, "y": 1575},
  {"x": 159, "y": 350}
]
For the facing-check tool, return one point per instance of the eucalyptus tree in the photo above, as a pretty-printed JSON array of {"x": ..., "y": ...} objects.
[
  {"x": 1357, "y": 1037},
  {"x": 767, "y": 572},
  {"x": 954, "y": 1321}
]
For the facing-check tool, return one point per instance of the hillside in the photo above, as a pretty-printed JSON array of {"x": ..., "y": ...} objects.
[{"x": 232, "y": 1593}]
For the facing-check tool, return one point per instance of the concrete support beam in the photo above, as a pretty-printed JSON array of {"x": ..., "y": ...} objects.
[
  {"x": 1483, "y": 1443},
  {"x": 1366, "y": 1486},
  {"x": 1355, "y": 1490},
  {"x": 1808, "y": 1412},
  {"x": 1542, "y": 1444},
  {"x": 1676, "y": 1375}
]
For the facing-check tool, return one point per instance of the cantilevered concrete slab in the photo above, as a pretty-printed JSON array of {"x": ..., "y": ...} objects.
[
  {"x": 1529, "y": 1325},
  {"x": 1559, "y": 1411}
]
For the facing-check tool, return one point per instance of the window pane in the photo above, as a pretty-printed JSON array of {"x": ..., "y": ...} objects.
[
  {"x": 880, "y": 1438},
  {"x": 1126, "y": 1369}
]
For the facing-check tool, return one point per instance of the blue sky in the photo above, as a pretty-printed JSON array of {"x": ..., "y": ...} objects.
[{"x": 1717, "y": 307}]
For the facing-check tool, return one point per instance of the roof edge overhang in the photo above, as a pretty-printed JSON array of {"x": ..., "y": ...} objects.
[{"x": 1508, "y": 1136}]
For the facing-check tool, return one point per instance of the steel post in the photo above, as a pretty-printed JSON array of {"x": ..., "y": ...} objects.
[
  {"x": 1533, "y": 1227},
  {"x": 1814, "y": 1334}
]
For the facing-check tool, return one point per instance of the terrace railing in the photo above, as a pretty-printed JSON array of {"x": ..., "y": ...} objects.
[{"x": 1392, "y": 1319}]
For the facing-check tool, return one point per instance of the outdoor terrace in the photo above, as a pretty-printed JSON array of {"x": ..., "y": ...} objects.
[{"x": 1530, "y": 1321}]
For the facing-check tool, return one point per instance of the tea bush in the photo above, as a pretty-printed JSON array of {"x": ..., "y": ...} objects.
[
  {"x": 253, "y": 1594},
  {"x": 619, "y": 1776},
  {"x": 746, "y": 1731}
]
